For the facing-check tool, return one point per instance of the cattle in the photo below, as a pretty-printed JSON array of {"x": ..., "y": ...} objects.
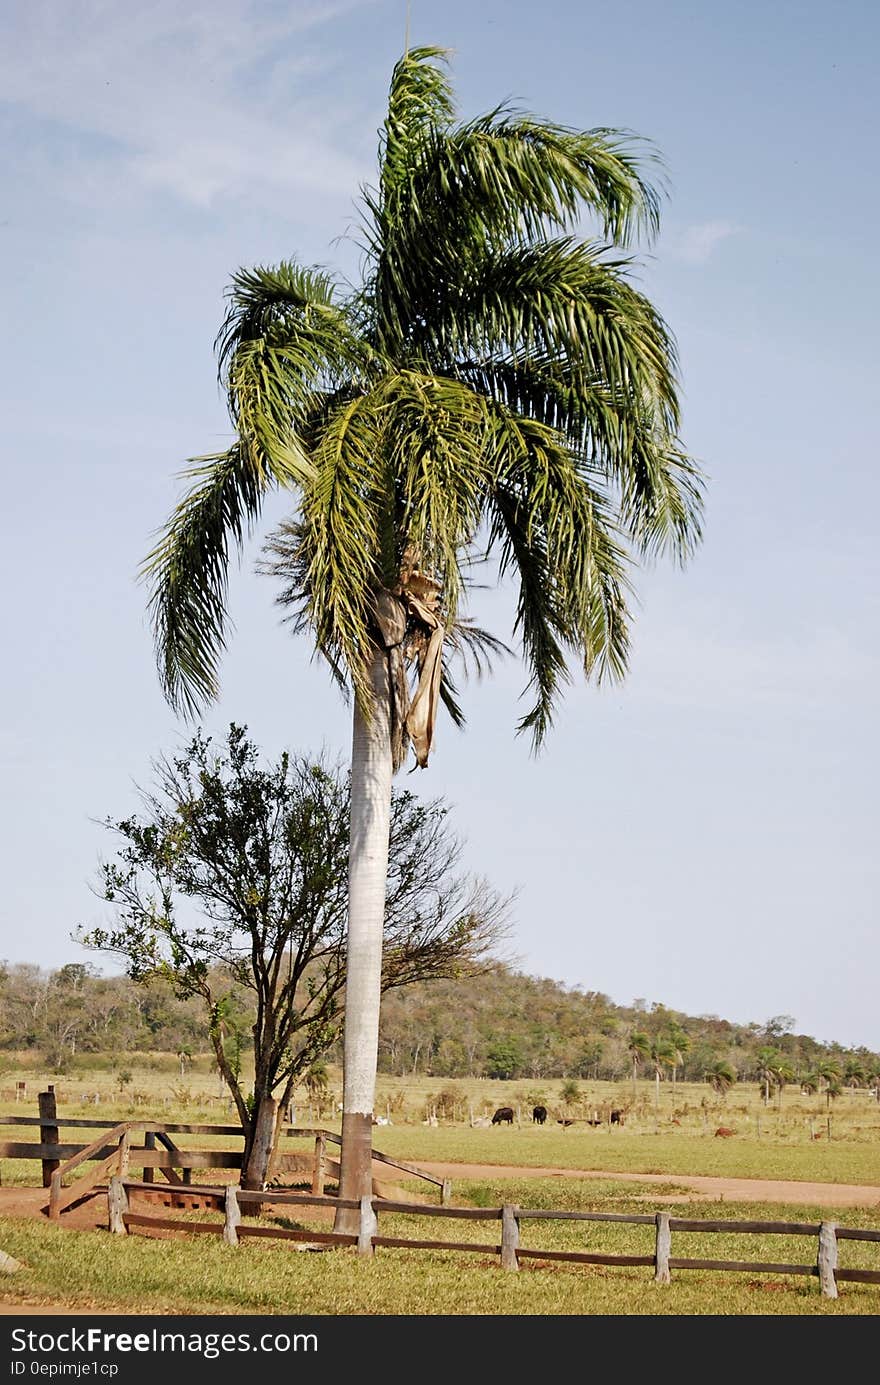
[
  {"x": 594, "y": 1123},
  {"x": 564, "y": 1123},
  {"x": 539, "y": 1114},
  {"x": 616, "y": 1117},
  {"x": 504, "y": 1113},
  {"x": 725, "y": 1132}
]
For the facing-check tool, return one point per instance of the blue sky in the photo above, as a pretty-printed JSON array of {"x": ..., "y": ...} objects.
[{"x": 704, "y": 835}]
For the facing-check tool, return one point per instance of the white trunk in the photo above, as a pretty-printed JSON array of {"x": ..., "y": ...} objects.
[{"x": 371, "y": 773}]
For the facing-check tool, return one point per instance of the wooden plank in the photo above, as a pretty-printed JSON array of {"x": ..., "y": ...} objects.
[
  {"x": 457, "y": 1213},
  {"x": 163, "y": 1190},
  {"x": 827, "y": 1259},
  {"x": 142, "y": 1158},
  {"x": 282, "y": 1233},
  {"x": 662, "y": 1249},
  {"x": 368, "y": 1225},
  {"x": 772, "y": 1228},
  {"x": 200, "y": 1228},
  {"x": 635, "y": 1219},
  {"x": 509, "y": 1236},
  {"x": 742, "y": 1265},
  {"x": 579, "y": 1257},
  {"x": 851, "y": 1233},
  {"x": 232, "y": 1218},
  {"x": 403, "y": 1243},
  {"x": 172, "y": 1127},
  {"x": 858, "y": 1276},
  {"x": 48, "y": 1131},
  {"x": 95, "y": 1150},
  {"x": 66, "y": 1197},
  {"x": 117, "y": 1206},
  {"x": 299, "y": 1199},
  {"x": 407, "y": 1168}
]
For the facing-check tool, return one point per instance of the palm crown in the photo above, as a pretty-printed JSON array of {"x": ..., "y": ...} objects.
[{"x": 496, "y": 387}]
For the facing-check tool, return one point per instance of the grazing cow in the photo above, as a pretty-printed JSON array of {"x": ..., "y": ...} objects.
[
  {"x": 539, "y": 1114},
  {"x": 616, "y": 1118},
  {"x": 594, "y": 1123},
  {"x": 564, "y": 1123},
  {"x": 504, "y": 1113},
  {"x": 725, "y": 1132}
]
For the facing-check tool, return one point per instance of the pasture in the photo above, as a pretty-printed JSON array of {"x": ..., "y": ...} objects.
[
  {"x": 68, "y": 1269},
  {"x": 92, "y": 1270},
  {"x": 785, "y": 1140}
]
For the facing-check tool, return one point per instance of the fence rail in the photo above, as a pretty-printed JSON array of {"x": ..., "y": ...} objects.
[
  {"x": 60, "y": 1160},
  {"x": 826, "y": 1234}
]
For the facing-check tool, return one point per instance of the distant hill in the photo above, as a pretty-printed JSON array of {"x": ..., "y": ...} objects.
[{"x": 503, "y": 1024}]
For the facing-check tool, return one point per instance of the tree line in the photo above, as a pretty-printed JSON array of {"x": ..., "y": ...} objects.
[{"x": 503, "y": 1024}]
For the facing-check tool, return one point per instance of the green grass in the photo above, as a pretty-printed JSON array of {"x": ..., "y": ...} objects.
[
  {"x": 96, "y": 1271},
  {"x": 624, "y": 1152}
]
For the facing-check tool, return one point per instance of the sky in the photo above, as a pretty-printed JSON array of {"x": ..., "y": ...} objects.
[{"x": 702, "y": 836}]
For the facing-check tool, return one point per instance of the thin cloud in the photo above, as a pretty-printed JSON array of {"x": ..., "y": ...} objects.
[
  {"x": 698, "y": 243},
  {"x": 168, "y": 96}
]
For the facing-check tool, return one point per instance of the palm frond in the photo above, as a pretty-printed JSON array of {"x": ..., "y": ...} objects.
[
  {"x": 283, "y": 344},
  {"x": 187, "y": 572},
  {"x": 557, "y": 533},
  {"x": 419, "y": 99}
]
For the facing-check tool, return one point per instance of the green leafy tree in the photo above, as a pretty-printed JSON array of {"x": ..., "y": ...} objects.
[
  {"x": 232, "y": 882},
  {"x": 570, "y": 1094},
  {"x": 496, "y": 387},
  {"x": 504, "y": 1059}
]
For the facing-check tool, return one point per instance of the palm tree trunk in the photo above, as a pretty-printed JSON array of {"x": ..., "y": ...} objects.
[{"x": 371, "y": 773}]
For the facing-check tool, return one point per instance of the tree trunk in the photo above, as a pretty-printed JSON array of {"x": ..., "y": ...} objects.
[
  {"x": 371, "y": 773},
  {"x": 260, "y": 1144}
]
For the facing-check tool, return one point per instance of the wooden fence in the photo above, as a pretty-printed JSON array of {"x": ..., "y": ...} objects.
[
  {"x": 114, "y": 1151},
  {"x": 826, "y": 1234}
]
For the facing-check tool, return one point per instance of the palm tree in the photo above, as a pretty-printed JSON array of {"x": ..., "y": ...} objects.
[
  {"x": 638, "y": 1047},
  {"x": 496, "y": 388},
  {"x": 720, "y": 1076},
  {"x": 680, "y": 1043},
  {"x": 830, "y": 1073},
  {"x": 855, "y": 1074},
  {"x": 662, "y": 1055},
  {"x": 783, "y": 1072},
  {"x": 766, "y": 1060}
]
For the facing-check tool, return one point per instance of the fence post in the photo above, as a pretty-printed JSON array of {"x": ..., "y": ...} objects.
[
  {"x": 48, "y": 1133},
  {"x": 54, "y": 1195},
  {"x": 149, "y": 1143},
  {"x": 124, "y": 1153},
  {"x": 368, "y": 1225},
  {"x": 446, "y": 1192},
  {"x": 827, "y": 1261},
  {"x": 117, "y": 1206},
  {"x": 233, "y": 1216},
  {"x": 319, "y": 1168},
  {"x": 509, "y": 1236},
  {"x": 662, "y": 1249}
]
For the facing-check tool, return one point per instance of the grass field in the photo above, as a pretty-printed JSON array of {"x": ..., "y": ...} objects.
[
  {"x": 94, "y": 1270},
  {"x": 677, "y": 1138}
]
